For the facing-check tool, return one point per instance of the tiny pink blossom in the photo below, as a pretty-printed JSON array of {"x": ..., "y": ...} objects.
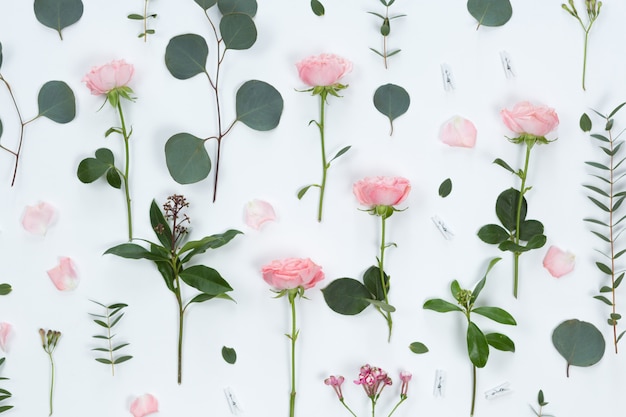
[
  {"x": 405, "y": 377},
  {"x": 144, "y": 405},
  {"x": 5, "y": 334},
  {"x": 38, "y": 218},
  {"x": 373, "y": 380},
  {"x": 323, "y": 70},
  {"x": 335, "y": 382},
  {"x": 459, "y": 132},
  {"x": 558, "y": 262},
  {"x": 102, "y": 79},
  {"x": 64, "y": 275},
  {"x": 259, "y": 212}
]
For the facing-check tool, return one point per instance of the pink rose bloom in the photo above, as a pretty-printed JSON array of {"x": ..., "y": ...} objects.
[
  {"x": 105, "y": 78},
  {"x": 381, "y": 191},
  {"x": 5, "y": 333},
  {"x": 323, "y": 70},
  {"x": 558, "y": 262},
  {"x": 259, "y": 212},
  {"x": 144, "y": 405},
  {"x": 38, "y": 218},
  {"x": 64, "y": 275},
  {"x": 292, "y": 273},
  {"x": 533, "y": 120},
  {"x": 458, "y": 132}
]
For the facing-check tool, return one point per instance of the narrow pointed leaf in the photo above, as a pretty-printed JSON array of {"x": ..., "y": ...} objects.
[
  {"x": 615, "y": 110},
  {"x": 121, "y": 359},
  {"x": 496, "y": 314},
  {"x": 603, "y": 299},
  {"x": 158, "y": 222},
  {"x": 132, "y": 251},
  {"x": 382, "y": 305},
  {"x": 504, "y": 165},
  {"x": 341, "y": 152}
]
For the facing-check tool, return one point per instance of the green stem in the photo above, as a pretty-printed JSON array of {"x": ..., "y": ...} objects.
[
  {"x": 396, "y": 406},
  {"x": 373, "y": 407},
  {"x": 518, "y": 216},
  {"x": 585, "y": 57},
  {"x": 294, "y": 336},
  {"x": 51, "y": 380},
  {"x": 473, "y": 390},
  {"x": 347, "y": 408},
  {"x": 320, "y": 125},
  {"x": 126, "y": 170},
  {"x": 181, "y": 312},
  {"x": 381, "y": 262}
]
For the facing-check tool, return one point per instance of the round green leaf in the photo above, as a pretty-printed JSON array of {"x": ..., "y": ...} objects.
[
  {"x": 114, "y": 179},
  {"x": 585, "y": 123},
  {"x": 506, "y": 208},
  {"x": 493, "y": 234},
  {"x": 58, "y": 14},
  {"x": 206, "y": 4},
  {"x": 445, "y": 188},
  {"x": 529, "y": 229},
  {"x": 477, "y": 346},
  {"x": 346, "y": 296},
  {"x": 579, "y": 342},
  {"x": 392, "y": 101},
  {"x": 259, "y": 105},
  {"x": 490, "y": 12},
  {"x": 418, "y": 348},
  {"x": 248, "y": 7},
  {"x": 317, "y": 7},
  {"x": 90, "y": 169},
  {"x": 105, "y": 155},
  {"x": 205, "y": 279},
  {"x": 238, "y": 31},
  {"x": 186, "y": 158},
  {"x": 186, "y": 55},
  {"x": 229, "y": 355},
  {"x": 57, "y": 102}
]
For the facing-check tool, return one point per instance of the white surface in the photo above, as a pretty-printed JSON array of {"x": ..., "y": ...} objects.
[{"x": 545, "y": 45}]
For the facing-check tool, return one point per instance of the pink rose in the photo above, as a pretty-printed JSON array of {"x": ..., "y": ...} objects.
[
  {"x": 381, "y": 191},
  {"x": 259, "y": 212},
  {"x": 144, "y": 405},
  {"x": 529, "y": 119},
  {"x": 64, "y": 275},
  {"x": 38, "y": 218},
  {"x": 5, "y": 333},
  {"x": 458, "y": 132},
  {"x": 292, "y": 273},
  {"x": 323, "y": 70},
  {"x": 558, "y": 262},
  {"x": 105, "y": 78}
]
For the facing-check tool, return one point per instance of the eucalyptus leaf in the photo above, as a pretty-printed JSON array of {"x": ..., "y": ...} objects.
[
  {"x": 187, "y": 160},
  {"x": 229, "y": 355},
  {"x": 372, "y": 281},
  {"x": 57, "y": 102},
  {"x": 58, "y": 14},
  {"x": 259, "y": 105},
  {"x": 493, "y": 234},
  {"x": 238, "y": 31},
  {"x": 490, "y": 12},
  {"x": 445, "y": 188},
  {"x": 506, "y": 208},
  {"x": 477, "y": 346},
  {"x": 585, "y": 123},
  {"x": 186, "y": 55},
  {"x": 346, "y": 296},
  {"x": 392, "y": 101},
  {"x": 580, "y": 343},
  {"x": 248, "y": 7},
  {"x": 418, "y": 348},
  {"x": 205, "y": 279},
  {"x": 318, "y": 8},
  {"x": 206, "y": 4}
]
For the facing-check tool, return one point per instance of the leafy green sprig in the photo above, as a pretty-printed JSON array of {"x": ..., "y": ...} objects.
[
  {"x": 477, "y": 342},
  {"x": 49, "y": 340},
  {"x": 172, "y": 254},
  {"x": 4, "y": 394},
  {"x": 144, "y": 16},
  {"x": 608, "y": 194},
  {"x": 541, "y": 402},
  {"x": 112, "y": 315},
  {"x": 385, "y": 30}
]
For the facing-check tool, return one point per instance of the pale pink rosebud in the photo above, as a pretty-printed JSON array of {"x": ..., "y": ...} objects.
[
  {"x": 323, "y": 70},
  {"x": 102, "y": 79},
  {"x": 381, "y": 191},
  {"x": 144, "y": 405},
  {"x": 459, "y": 132},
  {"x": 5, "y": 334},
  {"x": 335, "y": 382},
  {"x": 526, "y": 118},
  {"x": 405, "y": 377},
  {"x": 64, "y": 275},
  {"x": 38, "y": 218},
  {"x": 292, "y": 273},
  {"x": 259, "y": 212},
  {"x": 558, "y": 262}
]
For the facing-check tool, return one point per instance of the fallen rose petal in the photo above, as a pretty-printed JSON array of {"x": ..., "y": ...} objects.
[
  {"x": 144, "y": 405},
  {"x": 38, "y": 218},
  {"x": 5, "y": 333},
  {"x": 64, "y": 275},
  {"x": 558, "y": 262},
  {"x": 459, "y": 132},
  {"x": 259, "y": 212}
]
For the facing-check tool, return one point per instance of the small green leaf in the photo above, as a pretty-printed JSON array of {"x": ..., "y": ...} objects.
[
  {"x": 317, "y": 8},
  {"x": 493, "y": 234},
  {"x": 440, "y": 306},
  {"x": 121, "y": 359},
  {"x": 346, "y": 296},
  {"x": 186, "y": 55},
  {"x": 5, "y": 289},
  {"x": 57, "y": 102},
  {"x": 445, "y": 188},
  {"x": 604, "y": 268},
  {"x": 187, "y": 159},
  {"x": 455, "y": 289},
  {"x": 372, "y": 281},
  {"x": 580, "y": 343},
  {"x": 490, "y": 12},
  {"x": 603, "y": 299},
  {"x": 600, "y": 137},
  {"x": 606, "y": 289},
  {"x": 238, "y": 31},
  {"x": 134, "y": 16},
  {"x": 536, "y": 242},
  {"x": 259, "y": 105},
  {"x": 205, "y": 279},
  {"x": 615, "y": 110},
  {"x": 392, "y": 101},
  {"x": 303, "y": 190},
  {"x": 385, "y": 28},
  {"x": 597, "y": 165},
  {"x": 477, "y": 346},
  {"x": 158, "y": 223},
  {"x": 58, "y": 14},
  {"x": 114, "y": 179},
  {"x": 496, "y": 314},
  {"x": 132, "y": 251},
  {"x": 103, "y": 360},
  {"x": 229, "y": 355},
  {"x": 0, "y": 128},
  {"x": 500, "y": 342},
  {"x": 90, "y": 169},
  {"x": 506, "y": 208},
  {"x": 341, "y": 152},
  {"x": 585, "y": 123},
  {"x": 418, "y": 348},
  {"x": 504, "y": 165},
  {"x": 118, "y": 347},
  {"x": 382, "y": 305},
  {"x": 248, "y": 7},
  {"x": 206, "y": 4}
]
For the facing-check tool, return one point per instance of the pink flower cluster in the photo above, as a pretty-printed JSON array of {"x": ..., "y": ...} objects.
[
  {"x": 373, "y": 380},
  {"x": 335, "y": 382}
]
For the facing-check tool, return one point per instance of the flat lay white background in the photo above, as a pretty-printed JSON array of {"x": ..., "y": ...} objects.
[{"x": 545, "y": 45}]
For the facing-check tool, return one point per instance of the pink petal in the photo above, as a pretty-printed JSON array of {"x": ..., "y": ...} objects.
[
  {"x": 458, "y": 132},
  {"x": 558, "y": 262},
  {"x": 144, "y": 405},
  {"x": 38, "y": 218},
  {"x": 63, "y": 275},
  {"x": 5, "y": 333},
  {"x": 259, "y": 212}
]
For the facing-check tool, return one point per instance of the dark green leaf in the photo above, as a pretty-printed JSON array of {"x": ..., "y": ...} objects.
[
  {"x": 167, "y": 272},
  {"x": 206, "y": 4},
  {"x": 132, "y": 251},
  {"x": 540, "y": 399},
  {"x": 317, "y": 7},
  {"x": 615, "y": 110},
  {"x": 121, "y": 359},
  {"x": 259, "y": 105},
  {"x": 118, "y": 347},
  {"x": 90, "y": 169},
  {"x": 477, "y": 346},
  {"x": 455, "y": 289},
  {"x": 618, "y": 281},
  {"x": 201, "y": 298},
  {"x": 346, "y": 296},
  {"x": 57, "y": 102},
  {"x": 0, "y": 54},
  {"x": 0, "y": 128},
  {"x": 229, "y": 355},
  {"x": 536, "y": 242},
  {"x": 597, "y": 190},
  {"x": 103, "y": 360},
  {"x": 511, "y": 247},
  {"x": 205, "y": 279},
  {"x": 606, "y": 239},
  {"x": 58, "y": 14},
  {"x": 596, "y": 222},
  {"x": 248, "y": 7},
  {"x": 585, "y": 123},
  {"x": 186, "y": 55},
  {"x": 5, "y": 408},
  {"x": 504, "y": 165},
  {"x": 606, "y": 289},
  {"x": 500, "y": 342},
  {"x": 440, "y": 306},
  {"x": 101, "y": 323},
  {"x": 599, "y": 204},
  {"x": 114, "y": 179},
  {"x": 341, "y": 152},
  {"x": 100, "y": 349},
  {"x": 100, "y": 337},
  {"x": 604, "y": 268},
  {"x": 506, "y": 208},
  {"x": 158, "y": 222},
  {"x": 493, "y": 234},
  {"x": 385, "y": 28},
  {"x": 418, "y": 348},
  {"x": 609, "y": 125},
  {"x": 5, "y": 289},
  {"x": 597, "y": 165},
  {"x": 303, "y": 190},
  {"x": 445, "y": 188},
  {"x": 496, "y": 314},
  {"x": 134, "y": 16},
  {"x": 530, "y": 228},
  {"x": 579, "y": 342},
  {"x": 600, "y": 137},
  {"x": 209, "y": 242},
  {"x": 372, "y": 281},
  {"x": 481, "y": 284},
  {"x": 603, "y": 299},
  {"x": 187, "y": 160},
  {"x": 392, "y": 101},
  {"x": 490, "y": 12},
  {"x": 238, "y": 31}
]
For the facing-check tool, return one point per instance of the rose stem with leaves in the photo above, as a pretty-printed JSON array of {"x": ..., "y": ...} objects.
[
  {"x": 291, "y": 295},
  {"x": 381, "y": 262},
  {"x": 125, "y": 175},
  {"x": 49, "y": 342},
  {"x": 325, "y": 165}
]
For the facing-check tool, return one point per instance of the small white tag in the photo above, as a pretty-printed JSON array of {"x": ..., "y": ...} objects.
[
  {"x": 507, "y": 64},
  {"x": 448, "y": 78},
  {"x": 439, "y": 389},
  {"x": 235, "y": 406},
  {"x": 498, "y": 391},
  {"x": 445, "y": 229}
]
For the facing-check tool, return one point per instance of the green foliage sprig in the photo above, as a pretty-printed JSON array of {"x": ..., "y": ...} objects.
[
  {"x": 144, "y": 16},
  {"x": 608, "y": 195},
  {"x": 171, "y": 259},
  {"x": 541, "y": 402},
  {"x": 593, "y": 11},
  {"x": 477, "y": 342},
  {"x": 4, "y": 394},
  {"x": 56, "y": 101},
  {"x": 58, "y": 14},
  {"x": 385, "y": 30},
  {"x": 112, "y": 315},
  {"x": 49, "y": 340},
  {"x": 258, "y": 104}
]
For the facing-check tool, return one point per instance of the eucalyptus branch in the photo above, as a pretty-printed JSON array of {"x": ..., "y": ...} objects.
[
  {"x": 541, "y": 402},
  {"x": 112, "y": 315},
  {"x": 4, "y": 394},
  {"x": 144, "y": 16},
  {"x": 385, "y": 30}
]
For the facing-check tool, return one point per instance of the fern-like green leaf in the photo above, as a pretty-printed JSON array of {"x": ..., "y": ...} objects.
[{"x": 113, "y": 315}]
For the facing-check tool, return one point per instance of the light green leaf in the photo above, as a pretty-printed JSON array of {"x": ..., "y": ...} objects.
[
  {"x": 303, "y": 190},
  {"x": 186, "y": 55},
  {"x": 346, "y": 296},
  {"x": 205, "y": 279},
  {"x": 392, "y": 101},
  {"x": 585, "y": 123},
  {"x": 490, "y": 12},
  {"x": 248, "y": 7},
  {"x": 341, "y": 152},
  {"x": 58, "y": 14},
  {"x": 580, "y": 343},
  {"x": 259, "y": 105},
  {"x": 477, "y": 346},
  {"x": 206, "y": 4},
  {"x": 504, "y": 165},
  {"x": 229, "y": 355},
  {"x": 441, "y": 306},
  {"x": 238, "y": 31},
  {"x": 418, "y": 348},
  {"x": 57, "y": 102},
  {"x": 382, "y": 305},
  {"x": 187, "y": 160},
  {"x": 317, "y": 7},
  {"x": 496, "y": 314}
]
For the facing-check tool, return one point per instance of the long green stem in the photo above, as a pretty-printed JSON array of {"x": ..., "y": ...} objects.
[
  {"x": 585, "y": 57},
  {"x": 396, "y": 406},
  {"x": 51, "y": 380},
  {"x": 381, "y": 262},
  {"x": 373, "y": 407},
  {"x": 347, "y": 408},
  {"x": 181, "y": 313},
  {"x": 523, "y": 174},
  {"x": 294, "y": 336},
  {"x": 320, "y": 125},
  {"x": 126, "y": 137},
  {"x": 473, "y": 390}
]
